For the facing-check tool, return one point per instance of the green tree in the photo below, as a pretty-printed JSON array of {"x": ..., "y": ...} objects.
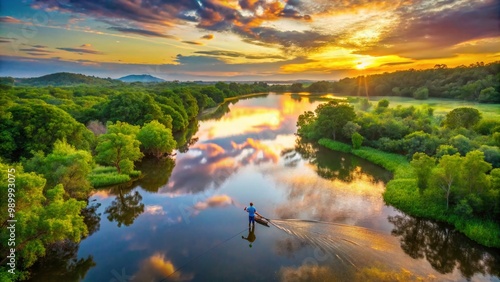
[
  {"x": 134, "y": 108},
  {"x": 40, "y": 125},
  {"x": 305, "y": 124},
  {"x": 445, "y": 150},
  {"x": 350, "y": 128},
  {"x": 65, "y": 165},
  {"x": 462, "y": 143},
  {"x": 332, "y": 116},
  {"x": 296, "y": 87},
  {"x": 423, "y": 166},
  {"x": 422, "y": 93},
  {"x": 156, "y": 139},
  {"x": 357, "y": 140},
  {"x": 447, "y": 175},
  {"x": 364, "y": 104},
  {"x": 42, "y": 217},
  {"x": 462, "y": 117},
  {"x": 119, "y": 150},
  {"x": 489, "y": 95},
  {"x": 474, "y": 170},
  {"x": 491, "y": 154},
  {"x": 420, "y": 141},
  {"x": 384, "y": 103}
]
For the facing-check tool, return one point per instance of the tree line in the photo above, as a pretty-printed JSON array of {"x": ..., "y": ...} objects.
[{"x": 477, "y": 82}]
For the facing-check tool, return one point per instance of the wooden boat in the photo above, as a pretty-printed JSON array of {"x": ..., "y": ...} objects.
[{"x": 261, "y": 220}]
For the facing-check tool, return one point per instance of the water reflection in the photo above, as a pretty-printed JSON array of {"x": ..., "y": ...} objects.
[
  {"x": 126, "y": 207},
  {"x": 158, "y": 267},
  {"x": 251, "y": 236},
  {"x": 156, "y": 173},
  {"x": 333, "y": 252},
  {"x": 444, "y": 248},
  {"x": 61, "y": 263}
]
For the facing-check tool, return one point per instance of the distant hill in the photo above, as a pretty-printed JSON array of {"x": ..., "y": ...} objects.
[
  {"x": 64, "y": 79},
  {"x": 140, "y": 78}
]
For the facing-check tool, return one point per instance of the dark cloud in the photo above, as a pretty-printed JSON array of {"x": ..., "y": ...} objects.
[
  {"x": 436, "y": 31},
  {"x": 37, "y": 53},
  {"x": 221, "y": 53},
  {"x": 39, "y": 50},
  {"x": 396, "y": 64},
  {"x": 192, "y": 42},
  {"x": 208, "y": 37},
  {"x": 142, "y": 32},
  {"x": 81, "y": 50}
]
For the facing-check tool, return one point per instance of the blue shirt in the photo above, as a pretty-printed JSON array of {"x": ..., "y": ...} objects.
[{"x": 251, "y": 211}]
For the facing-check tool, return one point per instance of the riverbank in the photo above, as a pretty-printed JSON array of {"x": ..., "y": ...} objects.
[{"x": 402, "y": 193}]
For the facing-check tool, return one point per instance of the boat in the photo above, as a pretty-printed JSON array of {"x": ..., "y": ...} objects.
[{"x": 261, "y": 220}]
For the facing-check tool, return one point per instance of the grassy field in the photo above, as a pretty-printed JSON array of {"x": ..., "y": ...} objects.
[{"x": 441, "y": 106}]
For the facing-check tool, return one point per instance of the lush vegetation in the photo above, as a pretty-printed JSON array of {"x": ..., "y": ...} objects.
[
  {"x": 477, "y": 82},
  {"x": 72, "y": 133},
  {"x": 445, "y": 167}
]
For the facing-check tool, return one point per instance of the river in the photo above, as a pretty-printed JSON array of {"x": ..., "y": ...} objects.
[{"x": 184, "y": 220}]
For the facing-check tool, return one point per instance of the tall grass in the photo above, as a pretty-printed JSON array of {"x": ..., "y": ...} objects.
[
  {"x": 103, "y": 176},
  {"x": 402, "y": 192}
]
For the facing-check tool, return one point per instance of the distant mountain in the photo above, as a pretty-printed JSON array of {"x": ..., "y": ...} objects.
[
  {"x": 140, "y": 78},
  {"x": 64, "y": 79}
]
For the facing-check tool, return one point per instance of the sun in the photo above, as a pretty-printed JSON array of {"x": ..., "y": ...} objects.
[{"x": 362, "y": 65}]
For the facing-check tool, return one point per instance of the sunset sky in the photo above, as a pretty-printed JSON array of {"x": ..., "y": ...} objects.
[{"x": 246, "y": 39}]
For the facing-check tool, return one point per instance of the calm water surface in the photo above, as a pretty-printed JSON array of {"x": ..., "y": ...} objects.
[{"x": 184, "y": 221}]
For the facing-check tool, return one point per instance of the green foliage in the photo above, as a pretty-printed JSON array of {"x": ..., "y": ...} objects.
[
  {"x": 118, "y": 149},
  {"x": 486, "y": 126},
  {"x": 335, "y": 145},
  {"x": 423, "y": 166},
  {"x": 156, "y": 139},
  {"x": 474, "y": 170},
  {"x": 305, "y": 125},
  {"x": 357, "y": 140},
  {"x": 491, "y": 154},
  {"x": 296, "y": 88},
  {"x": 66, "y": 166},
  {"x": 319, "y": 87},
  {"x": 462, "y": 117},
  {"x": 42, "y": 217},
  {"x": 36, "y": 127},
  {"x": 420, "y": 142},
  {"x": 462, "y": 143},
  {"x": 332, "y": 116},
  {"x": 134, "y": 108},
  {"x": 364, "y": 104},
  {"x": 445, "y": 150},
  {"x": 350, "y": 128},
  {"x": 422, "y": 93},
  {"x": 446, "y": 175},
  {"x": 107, "y": 176},
  {"x": 384, "y": 103}
]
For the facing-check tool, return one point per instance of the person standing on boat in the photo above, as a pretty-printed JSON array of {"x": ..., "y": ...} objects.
[{"x": 252, "y": 211}]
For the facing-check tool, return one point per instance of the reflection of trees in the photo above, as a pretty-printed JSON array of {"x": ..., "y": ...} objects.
[
  {"x": 221, "y": 110},
  {"x": 333, "y": 165},
  {"x": 156, "y": 173},
  {"x": 444, "y": 248},
  {"x": 91, "y": 218},
  {"x": 125, "y": 208},
  {"x": 61, "y": 263},
  {"x": 185, "y": 138}
]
